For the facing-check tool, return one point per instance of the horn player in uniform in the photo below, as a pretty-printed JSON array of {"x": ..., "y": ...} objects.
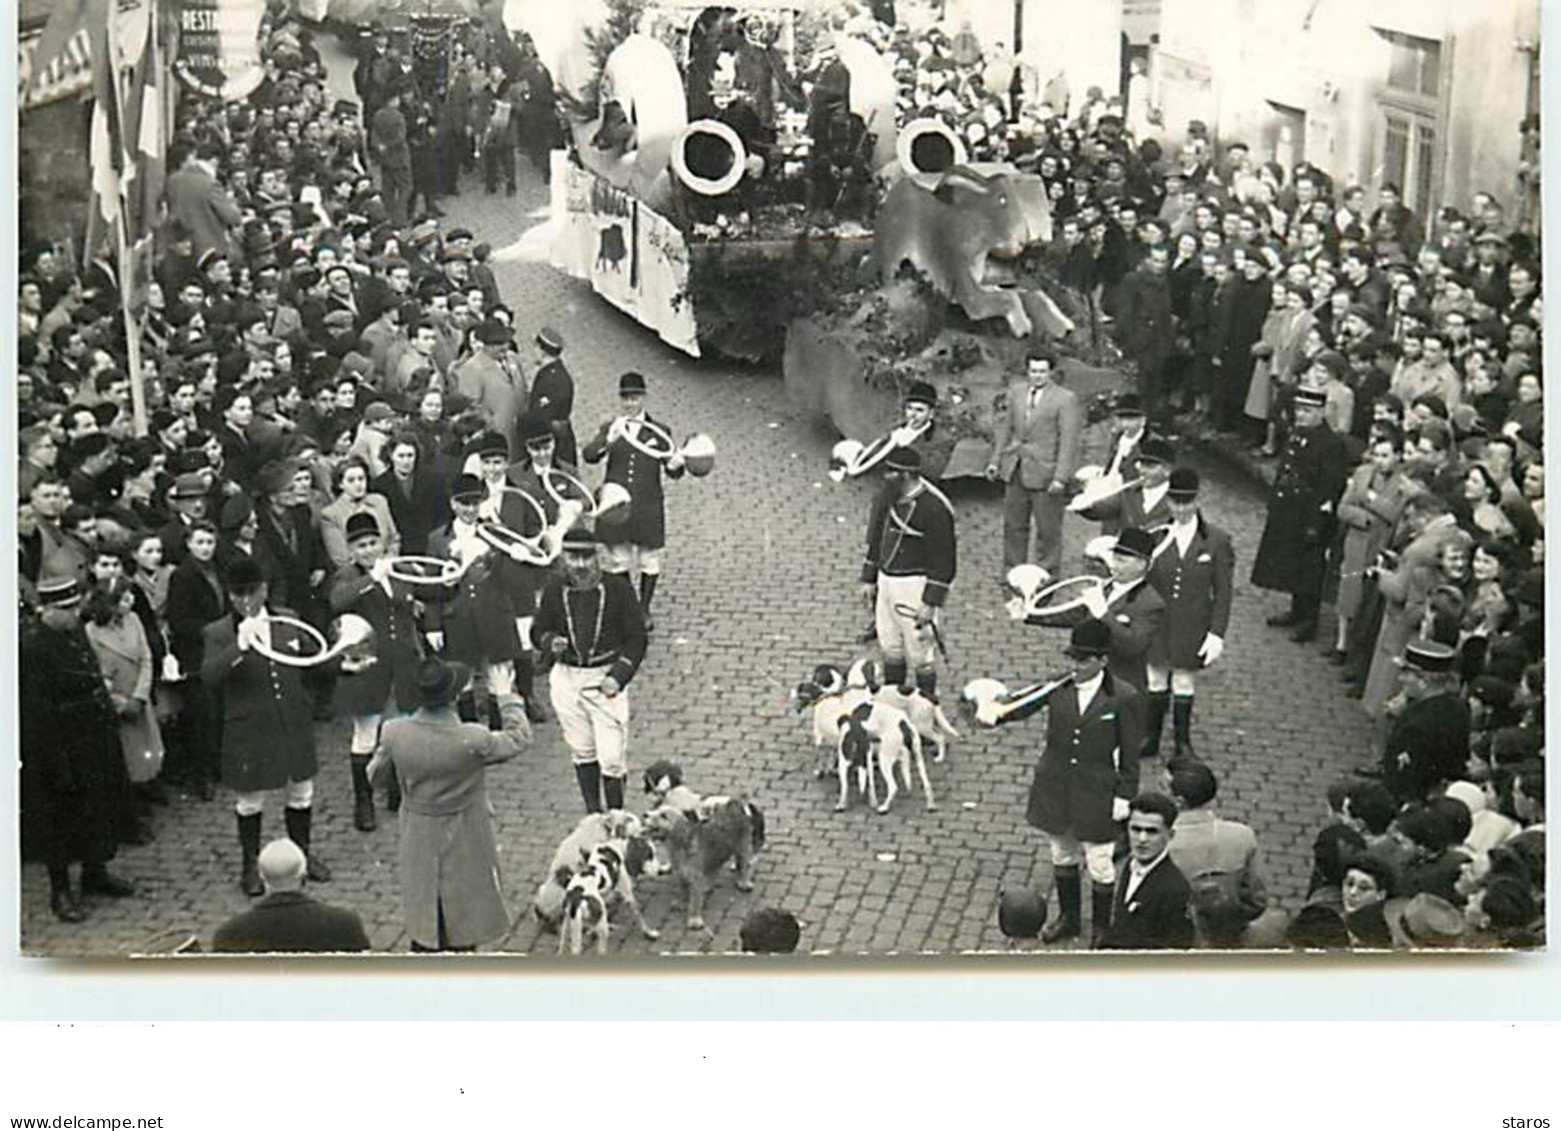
[
  {"x": 1193, "y": 575},
  {"x": 1087, "y": 774},
  {"x": 910, "y": 564},
  {"x": 590, "y": 623}
]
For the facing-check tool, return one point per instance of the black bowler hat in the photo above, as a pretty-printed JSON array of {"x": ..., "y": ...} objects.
[
  {"x": 631, "y": 382},
  {"x": 535, "y": 428},
  {"x": 922, "y": 393},
  {"x": 467, "y": 489},
  {"x": 1021, "y": 914},
  {"x": 1152, "y": 449},
  {"x": 1184, "y": 483},
  {"x": 440, "y": 682},
  {"x": 1129, "y": 404},
  {"x": 361, "y": 526},
  {"x": 903, "y": 459},
  {"x": 488, "y": 443},
  {"x": 1136, "y": 542},
  {"x": 244, "y": 575},
  {"x": 1091, "y": 638},
  {"x": 1428, "y": 656}
]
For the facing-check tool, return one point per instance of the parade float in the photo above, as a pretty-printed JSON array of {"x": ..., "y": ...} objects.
[{"x": 739, "y": 180}]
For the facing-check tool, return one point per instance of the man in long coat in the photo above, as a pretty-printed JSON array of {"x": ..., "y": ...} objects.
[
  {"x": 553, "y": 392},
  {"x": 1194, "y": 575},
  {"x": 1291, "y": 557},
  {"x": 1147, "y": 328},
  {"x": 267, "y": 721},
  {"x": 635, "y": 540},
  {"x": 451, "y": 892},
  {"x": 1087, "y": 773},
  {"x": 73, "y": 774}
]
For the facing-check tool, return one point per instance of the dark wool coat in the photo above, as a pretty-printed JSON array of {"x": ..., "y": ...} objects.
[
  {"x": 476, "y": 614},
  {"x": 1197, "y": 592},
  {"x": 268, "y": 717},
  {"x": 1311, "y": 476},
  {"x": 1087, "y": 761},
  {"x": 398, "y": 644},
  {"x": 1434, "y": 732},
  {"x": 73, "y": 774},
  {"x": 645, "y": 524},
  {"x": 290, "y": 922}
]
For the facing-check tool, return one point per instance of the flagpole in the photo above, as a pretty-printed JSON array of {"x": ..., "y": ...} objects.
[{"x": 138, "y": 413}]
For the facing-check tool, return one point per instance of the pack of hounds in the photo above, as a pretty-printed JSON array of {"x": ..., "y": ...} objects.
[{"x": 862, "y": 729}]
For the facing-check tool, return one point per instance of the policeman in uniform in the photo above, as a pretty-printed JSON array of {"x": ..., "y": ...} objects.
[
  {"x": 1292, "y": 556},
  {"x": 268, "y": 720},
  {"x": 590, "y": 624},
  {"x": 909, "y": 567},
  {"x": 553, "y": 392},
  {"x": 1428, "y": 744},
  {"x": 1193, "y": 574},
  {"x": 634, "y": 541},
  {"x": 1087, "y": 774}
]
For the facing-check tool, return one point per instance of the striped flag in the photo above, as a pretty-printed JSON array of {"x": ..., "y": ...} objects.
[{"x": 106, "y": 155}]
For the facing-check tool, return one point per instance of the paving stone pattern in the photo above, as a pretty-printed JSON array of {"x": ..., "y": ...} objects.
[{"x": 759, "y": 586}]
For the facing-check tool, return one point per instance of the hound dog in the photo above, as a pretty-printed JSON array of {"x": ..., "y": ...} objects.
[
  {"x": 925, "y": 715},
  {"x": 606, "y": 878},
  {"x": 694, "y": 850},
  {"x": 822, "y": 693},
  {"x": 592, "y": 831},
  {"x": 896, "y": 744}
]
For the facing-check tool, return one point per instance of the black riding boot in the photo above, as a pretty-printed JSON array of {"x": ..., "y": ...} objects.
[
  {"x": 393, "y": 791},
  {"x": 647, "y": 593},
  {"x": 927, "y": 684},
  {"x": 1070, "y": 900},
  {"x": 362, "y": 795},
  {"x": 1101, "y": 898},
  {"x": 249, "y": 845},
  {"x": 300, "y": 822},
  {"x": 894, "y": 673},
  {"x": 612, "y": 788},
  {"x": 589, "y": 775},
  {"x": 526, "y": 686},
  {"x": 1181, "y": 725},
  {"x": 1159, "y": 703}
]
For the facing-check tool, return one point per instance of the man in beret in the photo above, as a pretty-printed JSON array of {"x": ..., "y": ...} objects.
[
  {"x": 590, "y": 624},
  {"x": 268, "y": 725},
  {"x": 1291, "y": 556},
  {"x": 491, "y": 380},
  {"x": 635, "y": 540}
]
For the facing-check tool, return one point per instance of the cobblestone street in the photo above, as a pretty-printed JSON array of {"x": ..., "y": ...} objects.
[{"x": 759, "y": 586}]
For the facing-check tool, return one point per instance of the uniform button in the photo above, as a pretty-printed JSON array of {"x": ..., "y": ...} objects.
[{"x": 1073, "y": 761}]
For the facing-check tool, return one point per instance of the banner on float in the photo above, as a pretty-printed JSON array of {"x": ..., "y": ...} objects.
[
  {"x": 219, "y": 47},
  {"x": 633, "y": 256}
]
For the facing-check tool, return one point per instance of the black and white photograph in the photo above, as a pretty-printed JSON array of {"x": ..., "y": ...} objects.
[{"x": 637, "y": 481}]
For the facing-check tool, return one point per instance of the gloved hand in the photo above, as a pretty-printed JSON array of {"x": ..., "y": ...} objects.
[
  {"x": 436, "y": 641},
  {"x": 558, "y": 645},
  {"x": 380, "y": 570},
  {"x": 675, "y": 462},
  {"x": 1095, "y": 601},
  {"x": 1119, "y": 809},
  {"x": 617, "y": 429},
  {"x": 610, "y": 686},
  {"x": 501, "y": 678},
  {"x": 1212, "y": 648},
  {"x": 248, "y": 632},
  {"x": 1015, "y": 608}
]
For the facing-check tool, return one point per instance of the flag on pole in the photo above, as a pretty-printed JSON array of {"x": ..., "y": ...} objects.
[
  {"x": 106, "y": 156},
  {"x": 64, "y": 22}
]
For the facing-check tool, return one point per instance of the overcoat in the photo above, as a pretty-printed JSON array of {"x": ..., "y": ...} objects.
[
  {"x": 125, "y": 656},
  {"x": 1301, "y": 509},
  {"x": 1087, "y": 761},
  {"x": 1368, "y": 526},
  {"x": 449, "y": 862},
  {"x": 645, "y": 524},
  {"x": 1197, "y": 589},
  {"x": 398, "y": 646},
  {"x": 268, "y": 716}
]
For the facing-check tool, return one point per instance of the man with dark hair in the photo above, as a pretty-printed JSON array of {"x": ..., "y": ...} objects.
[
  {"x": 1150, "y": 910},
  {"x": 1035, "y": 451}
]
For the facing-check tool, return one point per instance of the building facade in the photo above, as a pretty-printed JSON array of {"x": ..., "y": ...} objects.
[{"x": 1430, "y": 95}]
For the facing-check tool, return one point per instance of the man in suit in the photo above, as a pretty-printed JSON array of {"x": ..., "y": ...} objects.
[
  {"x": 1034, "y": 454},
  {"x": 286, "y": 920},
  {"x": 198, "y": 201},
  {"x": 491, "y": 381},
  {"x": 1150, "y": 909},
  {"x": 1194, "y": 575},
  {"x": 1087, "y": 772}
]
